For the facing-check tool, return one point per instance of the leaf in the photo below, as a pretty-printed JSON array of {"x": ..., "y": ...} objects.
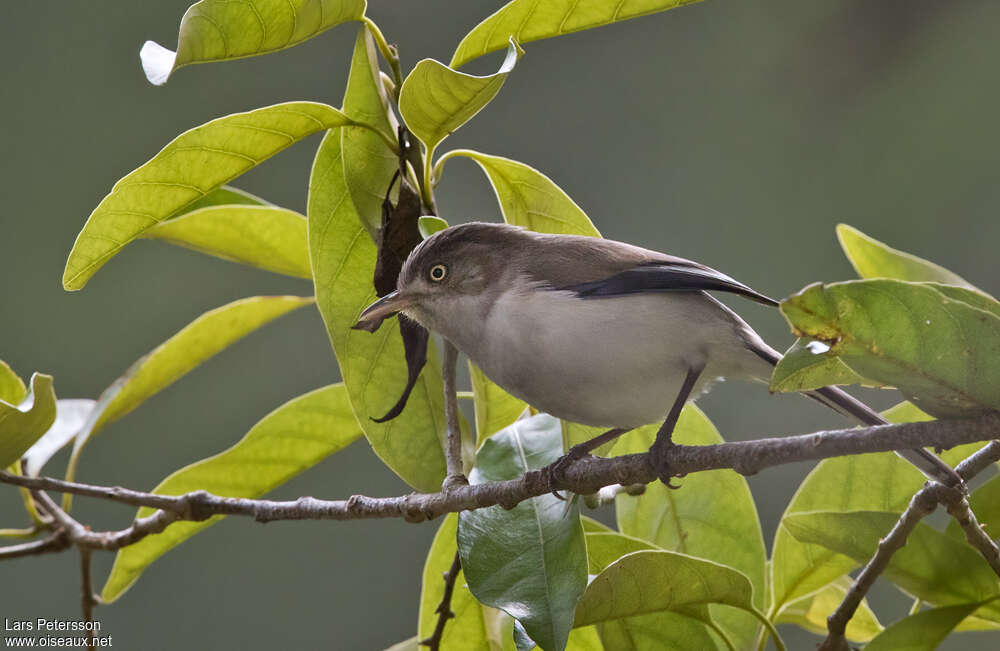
[
  {"x": 372, "y": 364},
  {"x": 410, "y": 644},
  {"x": 261, "y": 236},
  {"x": 292, "y": 438},
  {"x": 606, "y": 547},
  {"x": 939, "y": 351},
  {"x": 882, "y": 482},
  {"x": 655, "y": 580},
  {"x": 811, "y": 612},
  {"x": 528, "y": 198},
  {"x": 71, "y": 417},
  {"x": 225, "y": 195},
  {"x": 874, "y": 259},
  {"x": 712, "y": 516},
  {"x": 922, "y": 631},
  {"x": 204, "y": 337},
  {"x": 12, "y": 389},
  {"x": 191, "y": 166},
  {"x": 467, "y": 630},
  {"x": 931, "y": 566},
  {"x": 530, "y": 561},
  {"x": 495, "y": 408},
  {"x": 429, "y": 224},
  {"x": 369, "y": 163},
  {"x": 662, "y": 631},
  {"x": 810, "y": 365},
  {"x": 532, "y": 20},
  {"x": 218, "y": 30},
  {"x": 435, "y": 100},
  {"x": 23, "y": 424}
]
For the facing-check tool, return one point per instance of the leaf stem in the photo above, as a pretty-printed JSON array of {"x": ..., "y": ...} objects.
[
  {"x": 389, "y": 52},
  {"x": 718, "y": 631},
  {"x": 778, "y": 643}
]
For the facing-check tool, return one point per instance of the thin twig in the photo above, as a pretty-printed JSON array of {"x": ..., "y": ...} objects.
[
  {"x": 443, "y": 610},
  {"x": 922, "y": 504},
  {"x": 57, "y": 542},
  {"x": 453, "y": 447},
  {"x": 586, "y": 476},
  {"x": 87, "y": 598}
]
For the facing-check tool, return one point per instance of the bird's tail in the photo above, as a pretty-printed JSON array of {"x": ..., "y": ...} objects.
[{"x": 844, "y": 403}]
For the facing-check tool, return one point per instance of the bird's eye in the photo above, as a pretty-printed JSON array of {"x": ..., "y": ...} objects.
[{"x": 438, "y": 273}]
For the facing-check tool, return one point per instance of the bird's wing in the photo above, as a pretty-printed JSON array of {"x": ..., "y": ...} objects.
[{"x": 664, "y": 276}]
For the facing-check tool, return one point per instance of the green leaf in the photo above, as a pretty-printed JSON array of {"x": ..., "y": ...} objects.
[
  {"x": 467, "y": 630},
  {"x": 811, "y": 612},
  {"x": 372, "y": 364},
  {"x": 654, "y": 580},
  {"x": 590, "y": 525},
  {"x": 261, "y": 236},
  {"x": 528, "y": 198},
  {"x": 429, "y": 224},
  {"x": 606, "y": 547},
  {"x": 922, "y": 631},
  {"x": 862, "y": 482},
  {"x": 435, "y": 100},
  {"x": 712, "y": 516},
  {"x": 810, "y": 365},
  {"x": 931, "y": 566},
  {"x": 939, "y": 351},
  {"x": 225, "y": 195},
  {"x": 369, "y": 163},
  {"x": 495, "y": 408},
  {"x": 292, "y": 438},
  {"x": 218, "y": 30},
  {"x": 530, "y": 561},
  {"x": 12, "y": 389},
  {"x": 204, "y": 337},
  {"x": 191, "y": 166},
  {"x": 71, "y": 418},
  {"x": 411, "y": 644},
  {"x": 24, "y": 423},
  {"x": 874, "y": 259},
  {"x": 532, "y": 20},
  {"x": 662, "y": 631}
]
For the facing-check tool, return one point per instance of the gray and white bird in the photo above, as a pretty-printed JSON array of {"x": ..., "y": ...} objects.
[{"x": 590, "y": 330}]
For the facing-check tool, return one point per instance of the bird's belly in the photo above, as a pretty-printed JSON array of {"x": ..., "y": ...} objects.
[{"x": 604, "y": 362}]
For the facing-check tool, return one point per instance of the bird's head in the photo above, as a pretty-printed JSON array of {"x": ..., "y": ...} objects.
[{"x": 455, "y": 270}]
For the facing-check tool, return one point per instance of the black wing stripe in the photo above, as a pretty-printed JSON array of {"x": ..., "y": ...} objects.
[{"x": 664, "y": 278}]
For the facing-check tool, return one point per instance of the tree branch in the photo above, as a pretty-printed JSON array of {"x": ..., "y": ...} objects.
[
  {"x": 443, "y": 610},
  {"x": 57, "y": 542},
  {"x": 922, "y": 504},
  {"x": 87, "y": 598},
  {"x": 585, "y": 476}
]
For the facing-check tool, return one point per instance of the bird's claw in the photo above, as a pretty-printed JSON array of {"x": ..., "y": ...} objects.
[
  {"x": 555, "y": 472},
  {"x": 658, "y": 459}
]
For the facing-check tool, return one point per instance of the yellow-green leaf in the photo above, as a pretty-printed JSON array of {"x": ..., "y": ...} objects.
[
  {"x": 217, "y": 30},
  {"x": 495, "y": 408},
  {"x": 268, "y": 237},
  {"x": 811, "y": 612},
  {"x": 292, "y": 438},
  {"x": 372, "y": 364},
  {"x": 435, "y": 100},
  {"x": 874, "y": 259},
  {"x": 369, "y": 162},
  {"x": 528, "y": 198},
  {"x": 922, "y": 631},
  {"x": 532, "y": 20},
  {"x": 24, "y": 423},
  {"x": 939, "y": 351},
  {"x": 12, "y": 389},
  {"x": 192, "y": 165},
  {"x": 810, "y": 365}
]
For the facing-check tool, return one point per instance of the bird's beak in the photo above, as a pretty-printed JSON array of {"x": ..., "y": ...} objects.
[{"x": 382, "y": 309}]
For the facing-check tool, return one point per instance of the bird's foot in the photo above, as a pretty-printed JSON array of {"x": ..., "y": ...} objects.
[
  {"x": 555, "y": 473},
  {"x": 659, "y": 459}
]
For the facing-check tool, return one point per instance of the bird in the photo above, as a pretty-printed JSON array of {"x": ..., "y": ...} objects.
[{"x": 593, "y": 331}]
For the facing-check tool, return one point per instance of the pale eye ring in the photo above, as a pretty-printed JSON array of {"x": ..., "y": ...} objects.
[{"x": 438, "y": 273}]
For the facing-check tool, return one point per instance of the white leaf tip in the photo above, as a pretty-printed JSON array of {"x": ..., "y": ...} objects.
[{"x": 157, "y": 62}]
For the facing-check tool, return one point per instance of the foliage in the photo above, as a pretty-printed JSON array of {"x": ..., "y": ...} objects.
[{"x": 685, "y": 569}]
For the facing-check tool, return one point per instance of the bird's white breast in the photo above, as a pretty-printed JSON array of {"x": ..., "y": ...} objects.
[{"x": 612, "y": 362}]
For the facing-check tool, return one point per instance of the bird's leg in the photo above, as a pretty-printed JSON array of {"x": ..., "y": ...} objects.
[
  {"x": 663, "y": 442},
  {"x": 556, "y": 471}
]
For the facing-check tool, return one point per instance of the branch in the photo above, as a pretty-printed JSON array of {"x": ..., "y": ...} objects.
[
  {"x": 586, "y": 476},
  {"x": 57, "y": 542},
  {"x": 443, "y": 610},
  {"x": 87, "y": 598},
  {"x": 922, "y": 504},
  {"x": 453, "y": 448}
]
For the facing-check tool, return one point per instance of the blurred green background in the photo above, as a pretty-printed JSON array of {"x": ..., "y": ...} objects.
[{"x": 734, "y": 133}]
